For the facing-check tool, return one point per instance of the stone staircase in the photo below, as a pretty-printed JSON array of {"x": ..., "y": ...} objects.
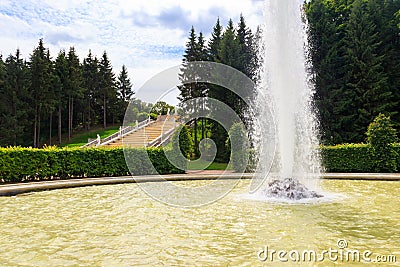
[{"x": 147, "y": 136}]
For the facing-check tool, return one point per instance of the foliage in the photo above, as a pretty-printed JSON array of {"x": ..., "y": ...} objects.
[
  {"x": 41, "y": 98},
  {"x": 347, "y": 158},
  {"x": 162, "y": 108},
  {"x": 356, "y": 158},
  {"x": 237, "y": 143},
  {"x": 355, "y": 51},
  {"x": 29, "y": 164},
  {"x": 183, "y": 141},
  {"x": 233, "y": 46},
  {"x": 381, "y": 136}
]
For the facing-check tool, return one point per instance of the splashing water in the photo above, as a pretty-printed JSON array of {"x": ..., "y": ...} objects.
[{"x": 286, "y": 85}]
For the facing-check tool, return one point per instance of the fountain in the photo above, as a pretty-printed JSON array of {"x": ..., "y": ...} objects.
[{"x": 287, "y": 86}]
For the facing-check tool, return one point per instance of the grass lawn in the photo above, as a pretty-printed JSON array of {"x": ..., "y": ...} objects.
[
  {"x": 199, "y": 165},
  {"x": 82, "y": 139}
]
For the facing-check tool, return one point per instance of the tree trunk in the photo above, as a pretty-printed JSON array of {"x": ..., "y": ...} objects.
[
  {"x": 38, "y": 128},
  {"x": 72, "y": 116},
  {"x": 104, "y": 112},
  {"x": 59, "y": 124},
  {"x": 69, "y": 119},
  {"x": 51, "y": 126},
  {"x": 35, "y": 129},
  {"x": 89, "y": 116}
]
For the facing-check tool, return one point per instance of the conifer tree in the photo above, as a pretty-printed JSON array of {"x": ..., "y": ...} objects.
[
  {"x": 107, "y": 87},
  {"x": 73, "y": 86},
  {"x": 39, "y": 86},
  {"x": 367, "y": 93},
  {"x": 125, "y": 92}
]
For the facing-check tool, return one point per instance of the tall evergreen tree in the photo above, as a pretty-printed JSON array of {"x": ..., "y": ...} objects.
[
  {"x": 124, "y": 85},
  {"x": 73, "y": 86},
  {"x": 107, "y": 87},
  {"x": 14, "y": 97},
  {"x": 61, "y": 76},
  {"x": 91, "y": 81},
  {"x": 40, "y": 65},
  {"x": 125, "y": 92},
  {"x": 366, "y": 90}
]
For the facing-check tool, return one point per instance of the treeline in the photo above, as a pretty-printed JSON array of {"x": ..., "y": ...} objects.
[
  {"x": 355, "y": 47},
  {"x": 43, "y": 98},
  {"x": 235, "y": 46}
]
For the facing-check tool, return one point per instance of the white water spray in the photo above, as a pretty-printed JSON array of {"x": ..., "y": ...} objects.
[{"x": 288, "y": 90}]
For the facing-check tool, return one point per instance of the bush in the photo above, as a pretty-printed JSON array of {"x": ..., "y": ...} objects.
[
  {"x": 142, "y": 116},
  {"x": 347, "y": 158},
  {"x": 153, "y": 116},
  {"x": 28, "y": 164},
  {"x": 354, "y": 158},
  {"x": 182, "y": 138},
  {"x": 238, "y": 144},
  {"x": 380, "y": 137}
]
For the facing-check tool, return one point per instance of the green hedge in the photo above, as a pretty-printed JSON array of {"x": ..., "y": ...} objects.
[
  {"x": 28, "y": 164},
  {"x": 353, "y": 158}
]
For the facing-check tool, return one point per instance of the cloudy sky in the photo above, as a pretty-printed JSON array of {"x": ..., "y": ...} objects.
[{"x": 147, "y": 36}]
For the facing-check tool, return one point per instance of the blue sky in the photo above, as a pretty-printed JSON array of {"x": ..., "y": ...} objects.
[{"x": 147, "y": 36}]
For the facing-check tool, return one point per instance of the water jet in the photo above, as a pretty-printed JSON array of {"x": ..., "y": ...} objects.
[{"x": 286, "y": 84}]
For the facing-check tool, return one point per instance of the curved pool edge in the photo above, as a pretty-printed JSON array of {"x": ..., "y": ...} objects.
[{"x": 22, "y": 188}]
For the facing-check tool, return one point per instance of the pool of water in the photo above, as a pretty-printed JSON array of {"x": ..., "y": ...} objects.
[{"x": 119, "y": 225}]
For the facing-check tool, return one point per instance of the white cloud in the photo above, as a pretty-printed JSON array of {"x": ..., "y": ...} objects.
[{"x": 147, "y": 36}]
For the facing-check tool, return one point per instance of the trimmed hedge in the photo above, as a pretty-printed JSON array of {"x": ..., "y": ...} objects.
[
  {"x": 27, "y": 164},
  {"x": 353, "y": 158}
]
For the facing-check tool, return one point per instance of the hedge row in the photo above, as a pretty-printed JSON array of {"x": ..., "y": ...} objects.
[
  {"x": 355, "y": 158},
  {"x": 28, "y": 164}
]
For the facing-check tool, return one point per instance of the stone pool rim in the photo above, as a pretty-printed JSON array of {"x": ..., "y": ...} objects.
[{"x": 23, "y": 188}]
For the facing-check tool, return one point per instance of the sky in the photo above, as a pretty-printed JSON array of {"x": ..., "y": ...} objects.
[{"x": 147, "y": 36}]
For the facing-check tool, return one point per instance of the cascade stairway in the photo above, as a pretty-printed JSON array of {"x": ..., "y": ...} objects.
[{"x": 146, "y": 136}]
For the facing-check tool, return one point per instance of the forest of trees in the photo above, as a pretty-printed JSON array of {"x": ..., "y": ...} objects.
[
  {"x": 355, "y": 48},
  {"x": 45, "y": 98},
  {"x": 235, "y": 46},
  {"x": 355, "y": 55}
]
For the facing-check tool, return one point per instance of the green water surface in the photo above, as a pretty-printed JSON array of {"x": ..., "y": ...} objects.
[{"x": 119, "y": 225}]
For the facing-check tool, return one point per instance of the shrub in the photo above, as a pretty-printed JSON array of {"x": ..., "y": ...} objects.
[
  {"x": 183, "y": 140},
  {"x": 153, "y": 116},
  {"x": 380, "y": 137},
  {"x": 347, "y": 158},
  {"x": 28, "y": 164},
  {"x": 238, "y": 144},
  {"x": 142, "y": 116},
  {"x": 354, "y": 158}
]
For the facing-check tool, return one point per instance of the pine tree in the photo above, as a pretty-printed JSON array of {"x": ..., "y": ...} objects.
[
  {"x": 189, "y": 90},
  {"x": 214, "y": 44},
  {"x": 73, "y": 86},
  {"x": 60, "y": 83},
  {"x": 40, "y": 66},
  {"x": 124, "y": 85},
  {"x": 125, "y": 92},
  {"x": 16, "y": 110},
  {"x": 91, "y": 80},
  {"x": 326, "y": 32},
  {"x": 366, "y": 83},
  {"x": 107, "y": 87},
  {"x": 247, "y": 49}
]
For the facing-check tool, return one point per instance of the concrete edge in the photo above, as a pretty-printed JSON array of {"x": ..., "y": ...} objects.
[{"x": 22, "y": 188}]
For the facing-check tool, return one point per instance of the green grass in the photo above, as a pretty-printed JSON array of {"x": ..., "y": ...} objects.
[
  {"x": 199, "y": 165},
  {"x": 81, "y": 139}
]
